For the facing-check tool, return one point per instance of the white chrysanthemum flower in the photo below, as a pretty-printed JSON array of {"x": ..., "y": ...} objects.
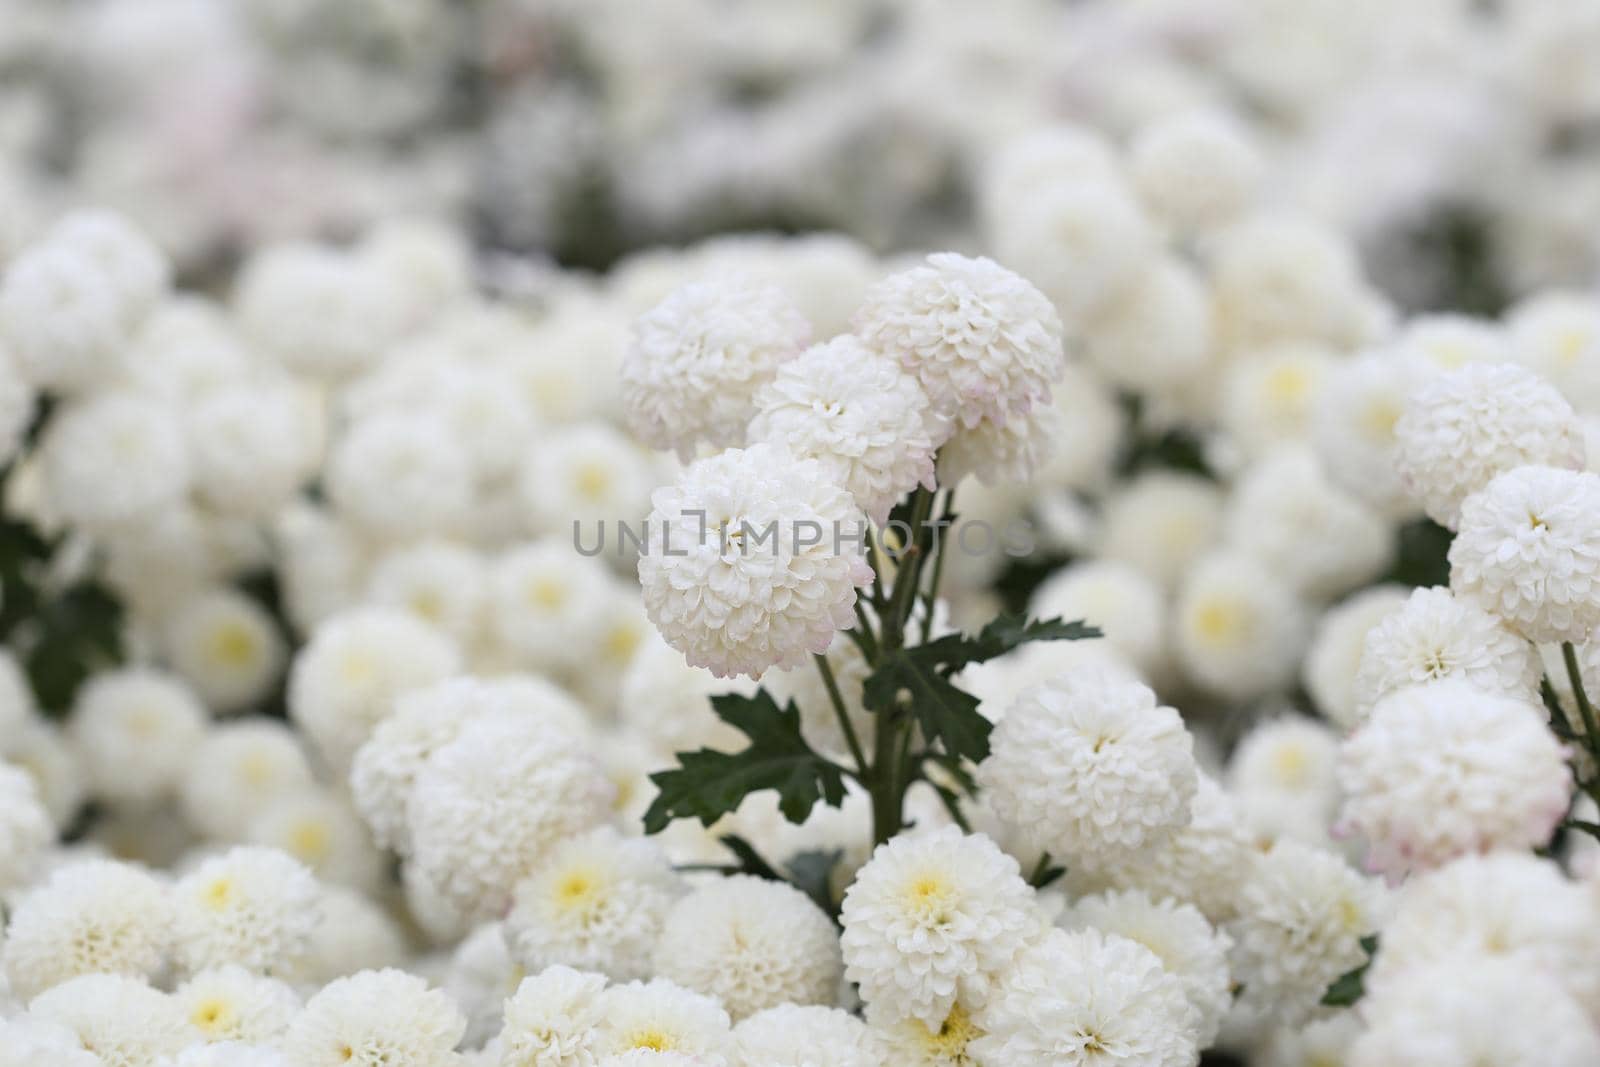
[
  {"x": 1528, "y": 550},
  {"x": 596, "y": 902},
  {"x": 251, "y": 906},
  {"x": 1124, "y": 604},
  {"x": 227, "y": 647},
  {"x": 1354, "y": 426},
  {"x": 753, "y": 562},
  {"x": 553, "y": 1020},
  {"x": 345, "y": 680},
  {"x": 321, "y": 312},
  {"x": 1160, "y": 522},
  {"x": 1290, "y": 761},
  {"x": 375, "y": 1019},
  {"x": 137, "y": 268},
  {"x": 231, "y": 1004},
  {"x": 1282, "y": 497},
  {"x": 800, "y": 1035},
  {"x": 648, "y": 1057},
  {"x": 63, "y": 318},
  {"x": 1001, "y": 454},
  {"x": 41, "y": 748},
  {"x": 89, "y": 917},
  {"x": 1455, "y": 1013},
  {"x": 122, "y": 1020},
  {"x": 26, "y": 828},
  {"x": 1451, "y": 341},
  {"x": 1319, "y": 1043},
  {"x": 752, "y": 944},
  {"x": 1085, "y": 998},
  {"x": 480, "y": 976},
  {"x": 908, "y": 1042},
  {"x": 135, "y": 731},
  {"x": 443, "y": 583},
  {"x": 355, "y": 934},
  {"x": 544, "y": 598},
  {"x": 984, "y": 343},
  {"x": 934, "y": 916},
  {"x": 237, "y": 771},
  {"x": 232, "y": 1054},
  {"x": 1200, "y": 864},
  {"x": 1196, "y": 169},
  {"x": 488, "y": 806},
  {"x": 1462, "y": 429},
  {"x": 1075, "y": 443},
  {"x": 1039, "y": 159},
  {"x": 253, "y": 445},
  {"x": 1557, "y": 335},
  {"x": 114, "y": 458},
  {"x": 806, "y": 687},
  {"x": 1271, "y": 398},
  {"x": 667, "y": 703},
  {"x": 401, "y": 474},
  {"x": 1302, "y": 913},
  {"x": 321, "y": 829},
  {"x": 859, "y": 415},
  {"x": 585, "y": 474},
  {"x": 1183, "y": 940},
  {"x": 1334, "y": 659},
  {"x": 1087, "y": 764},
  {"x": 1154, "y": 334},
  {"x": 1446, "y": 768},
  {"x": 1435, "y": 635},
  {"x": 663, "y": 1017},
  {"x": 26, "y": 1042},
  {"x": 1239, "y": 629},
  {"x": 698, "y": 358}
]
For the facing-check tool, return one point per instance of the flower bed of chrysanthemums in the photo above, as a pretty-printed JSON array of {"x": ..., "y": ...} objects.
[{"x": 773, "y": 534}]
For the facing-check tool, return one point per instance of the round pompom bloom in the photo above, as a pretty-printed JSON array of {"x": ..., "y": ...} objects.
[
  {"x": 114, "y": 458},
  {"x": 124, "y": 1021},
  {"x": 596, "y": 902},
  {"x": 135, "y": 730},
  {"x": 355, "y": 934},
  {"x": 984, "y": 343},
  {"x": 346, "y": 678},
  {"x": 231, "y": 1004},
  {"x": 698, "y": 358},
  {"x": 1451, "y": 341},
  {"x": 320, "y": 312},
  {"x": 1334, "y": 659},
  {"x": 26, "y": 829},
  {"x": 1239, "y": 629},
  {"x": 801, "y": 1035},
  {"x": 1154, "y": 334},
  {"x": 1557, "y": 335},
  {"x": 859, "y": 415},
  {"x": 1195, "y": 169},
  {"x": 400, "y": 475},
  {"x": 1301, "y": 916},
  {"x": 253, "y": 444},
  {"x": 1087, "y": 765},
  {"x": 934, "y": 916},
  {"x": 251, "y": 906},
  {"x": 1002, "y": 454},
  {"x": 1323, "y": 1041},
  {"x": 909, "y": 1042},
  {"x": 232, "y": 1054},
  {"x": 1455, "y": 1014},
  {"x": 89, "y": 917},
  {"x": 1160, "y": 522},
  {"x": 63, "y": 319},
  {"x": 227, "y": 647},
  {"x": 667, "y": 703},
  {"x": 1446, "y": 768},
  {"x": 553, "y": 1020},
  {"x": 1125, "y": 605},
  {"x": 1436, "y": 635},
  {"x": 479, "y": 976},
  {"x": 587, "y": 474},
  {"x": 487, "y": 807},
  {"x": 1031, "y": 163},
  {"x": 1528, "y": 550},
  {"x": 442, "y": 583},
  {"x": 751, "y": 943},
  {"x": 1282, "y": 497},
  {"x": 40, "y": 747},
  {"x": 375, "y": 1019},
  {"x": 649, "y": 1057},
  {"x": 237, "y": 771},
  {"x": 753, "y": 561},
  {"x": 135, "y": 265},
  {"x": 1462, "y": 429},
  {"x": 1271, "y": 398},
  {"x": 1508, "y": 905},
  {"x": 1288, "y": 761},
  {"x": 1187, "y": 945},
  {"x": 1353, "y": 426},
  {"x": 1080, "y": 999},
  {"x": 26, "y": 1042},
  {"x": 544, "y": 601},
  {"x": 663, "y": 1017},
  {"x": 321, "y": 829}
]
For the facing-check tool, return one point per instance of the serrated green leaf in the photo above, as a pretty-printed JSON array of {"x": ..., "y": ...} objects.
[
  {"x": 811, "y": 872},
  {"x": 946, "y": 714},
  {"x": 1003, "y": 634},
  {"x": 1351, "y": 986},
  {"x": 708, "y": 784}
]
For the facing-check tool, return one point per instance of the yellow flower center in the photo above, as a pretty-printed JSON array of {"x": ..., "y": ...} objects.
[
  {"x": 592, "y": 481},
  {"x": 1219, "y": 621},
  {"x": 1288, "y": 386},
  {"x": 930, "y": 899},
  {"x": 218, "y": 894},
  {"x": 949, "y": 1042},
  {"x": 654, "y": 1040},
  {"x": 212, "y": 1015},
  {"x": 1289, "y": 763},
  {"x": 547, "y": 593},
  {"x": 310, "y": 841}
]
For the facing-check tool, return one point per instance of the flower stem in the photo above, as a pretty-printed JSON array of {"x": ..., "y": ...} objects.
[
  {"x": 1591, "y": 739},
  {"x": 832, "y": 685},
  {"x": 939, "y": 550}
]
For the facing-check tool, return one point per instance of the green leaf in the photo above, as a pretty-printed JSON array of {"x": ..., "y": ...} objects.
[
  {"x": 750, "y": 861},
  {"x": 811, "y": 872},
  {"x": 708, "y": 784},
  {"x": 946, "y": 714},
  {"x": 1351, "y": 986},
  {"x": 1003, "y": 634}
]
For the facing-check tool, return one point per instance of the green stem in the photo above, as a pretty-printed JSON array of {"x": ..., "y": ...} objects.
[
  {"x": 865, "y": 639},
  {"x": 908, "y": 573},
  {"x": 832, "y": 685},
  {"x": 1591, "y": 740},
  {"x": 939, "y": 551}
]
